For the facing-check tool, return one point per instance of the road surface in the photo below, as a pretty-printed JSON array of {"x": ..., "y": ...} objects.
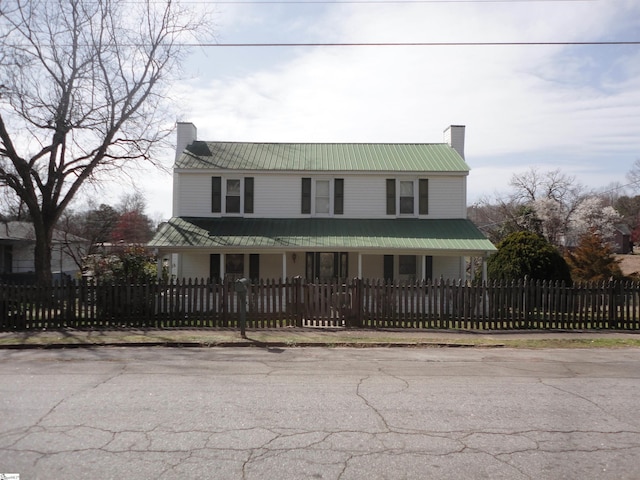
[{"x": 317, "y": 413}]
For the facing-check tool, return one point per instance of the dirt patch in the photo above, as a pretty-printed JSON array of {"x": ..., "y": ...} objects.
[{"x": 629, "y": 264}]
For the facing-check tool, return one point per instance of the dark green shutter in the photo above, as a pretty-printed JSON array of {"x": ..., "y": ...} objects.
[
  {"x": 214, "y": 267},
  {"x": 216, "y": 194},
  {"x": 388, "y": 268},
  {"x": 429, "y": 273},
  {"x": 423, "y": 208},
  {"x": 338, "y": 196},
  {"x": 254, "y": 267},
  {"x": 391, "y": 196},
  {"x": 309, "y": 266},
  {"x": 306, "y": 195},
  {"x": 344, "y": 265},
  {"x": 248, "y": 195}
]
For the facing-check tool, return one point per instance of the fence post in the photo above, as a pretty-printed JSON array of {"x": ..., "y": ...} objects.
[
  {"x": 297, "y": 300},
  {"x": 356, "y": 304},
  {"x": 612, "y": 304}
]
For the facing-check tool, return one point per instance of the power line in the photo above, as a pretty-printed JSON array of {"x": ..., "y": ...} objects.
[
  {"x": 416, "y": 44},
  {"x": 376, "y": 44},
  {"x": 302, "y": 2}
]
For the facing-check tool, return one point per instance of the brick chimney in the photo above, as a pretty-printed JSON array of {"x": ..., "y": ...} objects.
[
  {"x": 454, "y": 136},
  {"x": 187, "y": 134}
]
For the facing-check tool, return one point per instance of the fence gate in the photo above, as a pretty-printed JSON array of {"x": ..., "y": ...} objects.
[{"x": 327, "y": 305}]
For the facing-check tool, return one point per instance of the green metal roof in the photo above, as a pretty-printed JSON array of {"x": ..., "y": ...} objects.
[
  {"x": 380, "y": 157},
  {"x": 445, "y": 236}
]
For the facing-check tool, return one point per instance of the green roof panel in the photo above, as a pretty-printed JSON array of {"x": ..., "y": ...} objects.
[
  {"x": 455, "y": 236},
  {"x": 314, "y": 157}
]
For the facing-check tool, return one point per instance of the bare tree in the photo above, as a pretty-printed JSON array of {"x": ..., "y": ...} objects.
[
  {"x": 82, "y": 91},
  {"x": 633, "y": 175},
  {"x": 553, "y": 195}
]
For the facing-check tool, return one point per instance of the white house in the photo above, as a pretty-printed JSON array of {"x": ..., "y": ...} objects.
[
  {"x": 319, "y": 210},
  {"x": 17, "y": 244}
]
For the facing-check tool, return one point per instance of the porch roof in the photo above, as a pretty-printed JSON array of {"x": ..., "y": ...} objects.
[{"x": 448, "y": 236}]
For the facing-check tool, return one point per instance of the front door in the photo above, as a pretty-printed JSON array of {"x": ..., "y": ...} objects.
[{"x": 327, "y": 265}]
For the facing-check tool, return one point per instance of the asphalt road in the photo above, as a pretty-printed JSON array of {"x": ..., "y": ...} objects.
[{"x": 397, "y": 413}]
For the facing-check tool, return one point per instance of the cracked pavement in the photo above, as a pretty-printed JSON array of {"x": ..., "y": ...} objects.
[{"x": 320, "y": 413}]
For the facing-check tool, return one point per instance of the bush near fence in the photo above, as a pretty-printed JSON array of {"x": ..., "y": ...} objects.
[{"x": 296, "y": 303}]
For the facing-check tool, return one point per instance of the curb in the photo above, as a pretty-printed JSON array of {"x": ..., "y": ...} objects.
[{"x": 264, "y": 345}]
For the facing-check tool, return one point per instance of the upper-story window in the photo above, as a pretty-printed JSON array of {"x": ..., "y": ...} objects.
[
  {"x": 232, "y": 204},
  {"x": 232, "y": 195},
  {"x": 322, "y": 196},
  {"x": 406, "y": 197}
]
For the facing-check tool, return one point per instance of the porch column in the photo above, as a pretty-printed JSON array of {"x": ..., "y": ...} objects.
[
  {"x": 284, "y": 265},
  {"x": 424, "y": 268},
  {"x": 472, "y": 264},
  {"x": 158, "y": 264},
  {"x": 484, "y": 269},
  {"x": 359, "y": 265},
  {"x": 222, "y": 265}
]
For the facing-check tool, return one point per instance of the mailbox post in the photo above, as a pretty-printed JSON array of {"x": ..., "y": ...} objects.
[{"x": 241, "y": 290}]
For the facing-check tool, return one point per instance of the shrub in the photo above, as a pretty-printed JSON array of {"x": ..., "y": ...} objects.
[{"x": 526, "y": 254}]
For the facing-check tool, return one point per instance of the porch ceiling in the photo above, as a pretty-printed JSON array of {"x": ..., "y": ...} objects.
[{"x": 447, "y": 236}]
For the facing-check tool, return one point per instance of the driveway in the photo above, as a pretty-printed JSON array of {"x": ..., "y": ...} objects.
[{"x": 319, "y": 413}]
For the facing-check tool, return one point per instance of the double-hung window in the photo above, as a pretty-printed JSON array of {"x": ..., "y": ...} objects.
[
  {"x": 407, "y": 197},
  {"x": 322, "y": 196},
  {"x": 232, "y": 195},
  {"x": 232, "y": 199}
]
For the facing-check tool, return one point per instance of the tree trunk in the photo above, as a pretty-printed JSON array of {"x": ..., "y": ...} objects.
[{"x": 42, "y": 253}]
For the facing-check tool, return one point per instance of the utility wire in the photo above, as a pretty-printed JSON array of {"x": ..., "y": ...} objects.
[
  {"x": 339, "y": 2},
  {"x": 415, "y": 44}
]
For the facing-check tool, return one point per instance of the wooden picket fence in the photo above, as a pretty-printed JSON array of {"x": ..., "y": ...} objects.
[{"x": 341, "y": 304}]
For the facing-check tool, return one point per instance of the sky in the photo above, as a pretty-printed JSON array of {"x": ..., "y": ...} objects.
[{"x": 570, "y": 107}]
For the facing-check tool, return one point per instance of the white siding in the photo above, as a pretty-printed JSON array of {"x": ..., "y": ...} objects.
[
  {"x": 365, "y": 196},
  {"x": 194, "y": 195},
  {"x": 372, "y": 267},
  {"x": 194, "y": 265},
  {"x": 271, "y": 266},
  {"x": 447, "y": 197},
  {"x": 448, "y": 268},
  {"x": 279, "y": 195}
]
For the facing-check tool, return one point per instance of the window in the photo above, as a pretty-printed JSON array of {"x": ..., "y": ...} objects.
[
  {"x": 234, "y": 195},
  {"x": 327, "y": 265},
  {"x": 407, "y": 266},
  {"x": 234, "y": 265},
  {"x": 402, "y": 198},
  {"x": 406, "y": 197},
  {"x": 322, "y": 197}
]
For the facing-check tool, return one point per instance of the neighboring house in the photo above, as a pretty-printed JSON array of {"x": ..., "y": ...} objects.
[
  {"x": 622, "y": 239},
  {"x": 17, "y": 243},
  {"x": 320, "y": 210}
]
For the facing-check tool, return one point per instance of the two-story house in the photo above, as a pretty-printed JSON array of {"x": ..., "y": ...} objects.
[{"x": 319, "y": 210}]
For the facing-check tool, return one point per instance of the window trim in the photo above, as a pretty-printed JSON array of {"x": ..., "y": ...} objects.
[
  {"x": 219, "y": 195},
  {"x": 420, "y": 197},
  {"x": 309, "y": 194}
]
